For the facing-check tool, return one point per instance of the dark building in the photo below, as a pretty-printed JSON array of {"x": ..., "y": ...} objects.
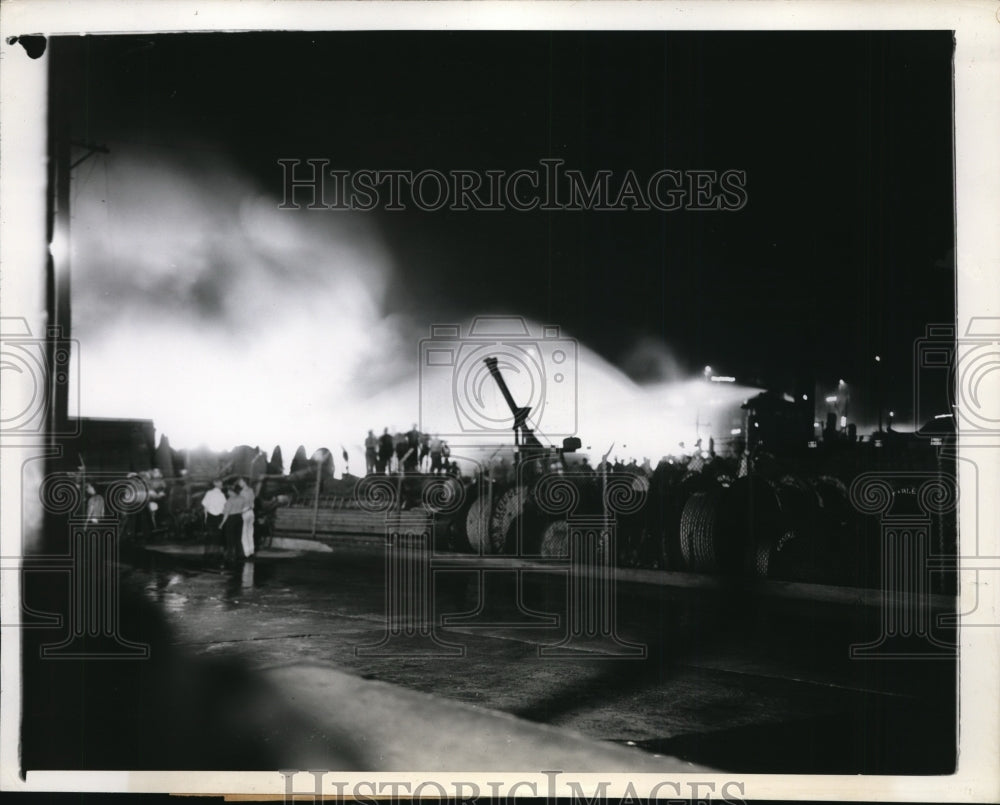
[{"x": 109, "y": 445}]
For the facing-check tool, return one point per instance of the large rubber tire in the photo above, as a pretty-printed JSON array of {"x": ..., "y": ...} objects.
[
  {"x": 477, "y": 526},
  {"x": 761, "y": 558},
  {"x": 702, "y": 532},
  {"x": 457, "y": 527},
  {"x": 755, "y": 523},
  {"x": 797, "y": 555},
  {"x": 503, "y": 519},
  {"x": 555, "y": 539},
  {"x": 836, "y": 532},
  {"x": 670, "y": 530}
]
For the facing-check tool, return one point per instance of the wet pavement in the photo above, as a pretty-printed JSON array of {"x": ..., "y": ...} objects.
[{"x": 729, "y": 680}]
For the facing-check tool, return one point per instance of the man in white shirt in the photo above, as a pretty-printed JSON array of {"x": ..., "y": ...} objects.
[{"x": 214, "y": 502}]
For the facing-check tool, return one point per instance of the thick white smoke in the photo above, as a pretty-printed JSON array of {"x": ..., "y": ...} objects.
[{"x": 200, "y": 304}]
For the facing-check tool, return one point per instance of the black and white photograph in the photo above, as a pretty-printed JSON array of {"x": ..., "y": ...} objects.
[{"x": 489, "y": 406}]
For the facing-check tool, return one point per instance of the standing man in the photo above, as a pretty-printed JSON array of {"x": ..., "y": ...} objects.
[
  {"x": 246, "y": 513},
  {"x": 385, "y": 447},
  {"x": 213, "y": 504},
  {"x": 95, "y": 505},
  {"x": 436, "y": 448},
  {"x": 231, "y": 525},
  {"x": 399, "y": 446},
  {"x": 412, "y": 455},
  {"x": 371, "y": 453},
  {"x": 425, "y": 451}
]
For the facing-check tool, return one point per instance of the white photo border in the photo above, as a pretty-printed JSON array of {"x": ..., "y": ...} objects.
[{"x": 976, "y": 27}]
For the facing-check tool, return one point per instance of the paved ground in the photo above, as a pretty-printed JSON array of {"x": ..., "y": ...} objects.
[{"x": 729, "y": 680}]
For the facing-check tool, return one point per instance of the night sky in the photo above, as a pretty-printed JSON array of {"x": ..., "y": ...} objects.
[{"x": 843, "y": 251}]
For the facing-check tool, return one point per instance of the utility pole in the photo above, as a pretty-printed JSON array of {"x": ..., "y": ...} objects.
[{"x": 58, "y": 289}]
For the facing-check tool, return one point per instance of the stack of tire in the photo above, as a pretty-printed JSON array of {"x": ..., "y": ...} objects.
[
  {"x": 731, "y": 530},
  {"x": 504, "y": 521},
  {"x": 508, "y": 520},
  {"x": 669, "y": 494},
  {"x": 839, "y": 532},
  {"x": 789, "y": 529}
]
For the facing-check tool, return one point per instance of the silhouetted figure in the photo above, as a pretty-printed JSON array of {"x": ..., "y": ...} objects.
[
  {"x": 246, "y": 516},
  {"x": 95, "y": 505},
  {"x": 385, "y": 449},
  {"x": 399, "y": 448},
  {"x": 412, "y": 456},
  {"x": 436, "y": 448},
  {"x": 232, "y": 525},
  {"x": 164, "y": 459},
  {"x": 213, "y": 503},
  {"x": 371, "y": 453}
]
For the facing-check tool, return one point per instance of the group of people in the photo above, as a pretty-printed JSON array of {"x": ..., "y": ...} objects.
[
  {"x": 229, "y": 517},
  {"x": 408, "y": 452},
  {"x": 145, "y": 497}
]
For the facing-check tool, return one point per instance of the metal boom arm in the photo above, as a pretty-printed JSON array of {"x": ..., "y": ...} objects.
[{"x": 521, "y": 429}]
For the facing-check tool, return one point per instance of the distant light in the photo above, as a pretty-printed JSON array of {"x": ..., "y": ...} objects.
[
  {"x": 815, "y": 424},
  {"x": 736, "y": 431},
  {"x": 877, "y": 359},
  {"x": 878, "y": 442},
  {"x": 892, "y": 413},
  {"x": 59, "y": 247},
  {"x": 722, "y": 379},
  {"x": 832, "y": 398},
  {"x": 708, "y": 370},
  {"x": 841, "y": 382},
  {"x": 805, "y": 397},
  {"x": 843, "y": 422},
  {"x": 944, "y": 416},
  {"x": 812, "y": 444},
  {"x": 756, "y": 424}
]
